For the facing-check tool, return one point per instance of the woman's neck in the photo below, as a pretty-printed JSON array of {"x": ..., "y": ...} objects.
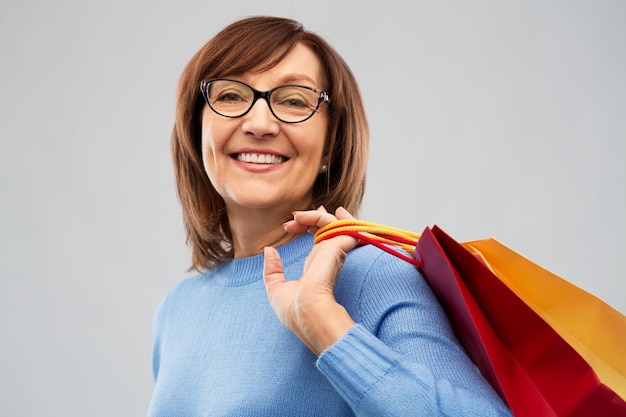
[{"x": 255, "y": 229}]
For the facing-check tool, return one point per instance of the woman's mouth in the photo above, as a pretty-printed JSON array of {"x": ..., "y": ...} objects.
[{"x": 260, "y": 158}]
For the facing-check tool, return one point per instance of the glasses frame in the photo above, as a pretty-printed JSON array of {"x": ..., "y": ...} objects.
[{"x": 322, "y": 97}]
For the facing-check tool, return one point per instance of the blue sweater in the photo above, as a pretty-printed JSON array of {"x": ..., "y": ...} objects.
[{"x": 219, "y": 350}]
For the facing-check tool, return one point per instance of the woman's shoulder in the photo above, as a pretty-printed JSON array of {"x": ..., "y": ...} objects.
[
  {"x": 374, "y": 282},
  {"x": 370, "y": 270},
  {"x": 369, "y": 260}
]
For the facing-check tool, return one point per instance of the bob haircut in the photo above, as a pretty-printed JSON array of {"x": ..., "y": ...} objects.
[{"x": 258, "y": 44}]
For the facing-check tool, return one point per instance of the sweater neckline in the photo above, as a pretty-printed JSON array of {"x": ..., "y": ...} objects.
[{"x": 243, "y": 271}]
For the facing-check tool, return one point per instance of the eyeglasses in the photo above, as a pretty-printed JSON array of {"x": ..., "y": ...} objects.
[{"x": 288, "y": 103}]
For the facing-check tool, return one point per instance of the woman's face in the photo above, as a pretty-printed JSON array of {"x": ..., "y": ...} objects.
[{"x": 258, "y": 162}]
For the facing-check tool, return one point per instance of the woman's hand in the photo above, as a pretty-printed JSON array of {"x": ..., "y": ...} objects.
[{"x": 307, "y": 306}]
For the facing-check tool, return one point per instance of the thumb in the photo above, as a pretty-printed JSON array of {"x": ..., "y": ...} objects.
[{"x": 273, "y": 273}]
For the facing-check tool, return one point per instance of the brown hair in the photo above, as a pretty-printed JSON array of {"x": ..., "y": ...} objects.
[{"x": 257, "y": 44}]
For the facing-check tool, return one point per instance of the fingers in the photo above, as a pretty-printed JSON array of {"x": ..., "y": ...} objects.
[
  {"x": 311, "y": 220},
  {"x": 292, "y": 226},
  {"x": 273, "y": 274},
  {"x": 342, "y": 214},
  {"x": 306, "y": 220},
  {"x": 314, "y": 219}
]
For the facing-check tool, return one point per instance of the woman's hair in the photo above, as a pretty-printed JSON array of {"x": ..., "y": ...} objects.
[{"x": 258, "y": 44}]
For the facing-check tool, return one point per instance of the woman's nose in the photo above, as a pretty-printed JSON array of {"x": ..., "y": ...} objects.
[{"x": 260, "y": 121}]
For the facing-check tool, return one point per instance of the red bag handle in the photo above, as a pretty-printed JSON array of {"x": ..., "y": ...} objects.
[{"x": 390, "y": 239}]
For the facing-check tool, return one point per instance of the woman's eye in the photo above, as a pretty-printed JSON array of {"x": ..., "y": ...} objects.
[
  {"x": 294, "y": 102},
  {"x": 230, "y": 97}
]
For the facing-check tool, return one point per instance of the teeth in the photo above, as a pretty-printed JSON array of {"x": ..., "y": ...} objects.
[{"x": 256, "y": 158}]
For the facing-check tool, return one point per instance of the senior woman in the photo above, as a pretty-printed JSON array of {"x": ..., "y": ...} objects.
[{"x": 270, "y": 131}]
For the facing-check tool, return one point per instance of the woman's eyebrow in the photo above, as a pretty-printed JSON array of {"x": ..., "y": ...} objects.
[{"x": 297, "y": 78}]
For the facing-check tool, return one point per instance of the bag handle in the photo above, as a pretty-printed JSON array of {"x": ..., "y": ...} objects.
[{"x": 384, "y": 237}]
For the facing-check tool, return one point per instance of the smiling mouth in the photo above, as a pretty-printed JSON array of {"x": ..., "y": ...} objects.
[{"x": 256, "y": 158}]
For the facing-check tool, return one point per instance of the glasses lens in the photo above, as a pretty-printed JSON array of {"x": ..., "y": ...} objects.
[
  {"x": 229, "y": 98},
  {"x": 294, "y": 103}
]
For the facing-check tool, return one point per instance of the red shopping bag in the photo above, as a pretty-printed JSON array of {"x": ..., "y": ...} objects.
[
  {"x": 527, "y": 362},
  {"x": 592, "y": 327},
  {"x": 535, "y": 370}
]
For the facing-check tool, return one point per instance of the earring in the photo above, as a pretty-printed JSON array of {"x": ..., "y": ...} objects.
[{"x": 324, "y": 168}]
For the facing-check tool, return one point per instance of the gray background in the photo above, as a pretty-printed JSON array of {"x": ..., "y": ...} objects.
[{"x": 488, "y": 118}]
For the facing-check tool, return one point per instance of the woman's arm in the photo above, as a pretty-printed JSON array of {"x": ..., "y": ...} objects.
[{"x": 402, "y": 358}]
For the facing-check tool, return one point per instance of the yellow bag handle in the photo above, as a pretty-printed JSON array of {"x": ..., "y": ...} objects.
[{"x": 384, "y": 237}]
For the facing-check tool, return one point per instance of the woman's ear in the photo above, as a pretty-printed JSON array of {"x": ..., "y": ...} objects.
[{"x": 325, "y": 162}]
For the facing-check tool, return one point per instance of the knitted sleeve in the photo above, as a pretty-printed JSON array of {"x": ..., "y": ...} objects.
[{"x": 402, "y": 358}]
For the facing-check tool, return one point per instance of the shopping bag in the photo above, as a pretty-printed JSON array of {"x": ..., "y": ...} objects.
[
  {"x": 563, "y": 379},
  {"x": 527, "y": 362},
  {"x": 593, "y": 328}
]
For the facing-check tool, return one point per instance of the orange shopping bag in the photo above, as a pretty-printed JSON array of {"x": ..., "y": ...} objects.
[
  {"x": 535, "y": 370},
  {"x": 593, "y": 328}
]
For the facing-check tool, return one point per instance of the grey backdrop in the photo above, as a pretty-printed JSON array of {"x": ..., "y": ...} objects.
[{"x": 488, "y": 118}]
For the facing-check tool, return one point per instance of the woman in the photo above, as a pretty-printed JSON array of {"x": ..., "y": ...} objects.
[{"x": 269, "y": 126}]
